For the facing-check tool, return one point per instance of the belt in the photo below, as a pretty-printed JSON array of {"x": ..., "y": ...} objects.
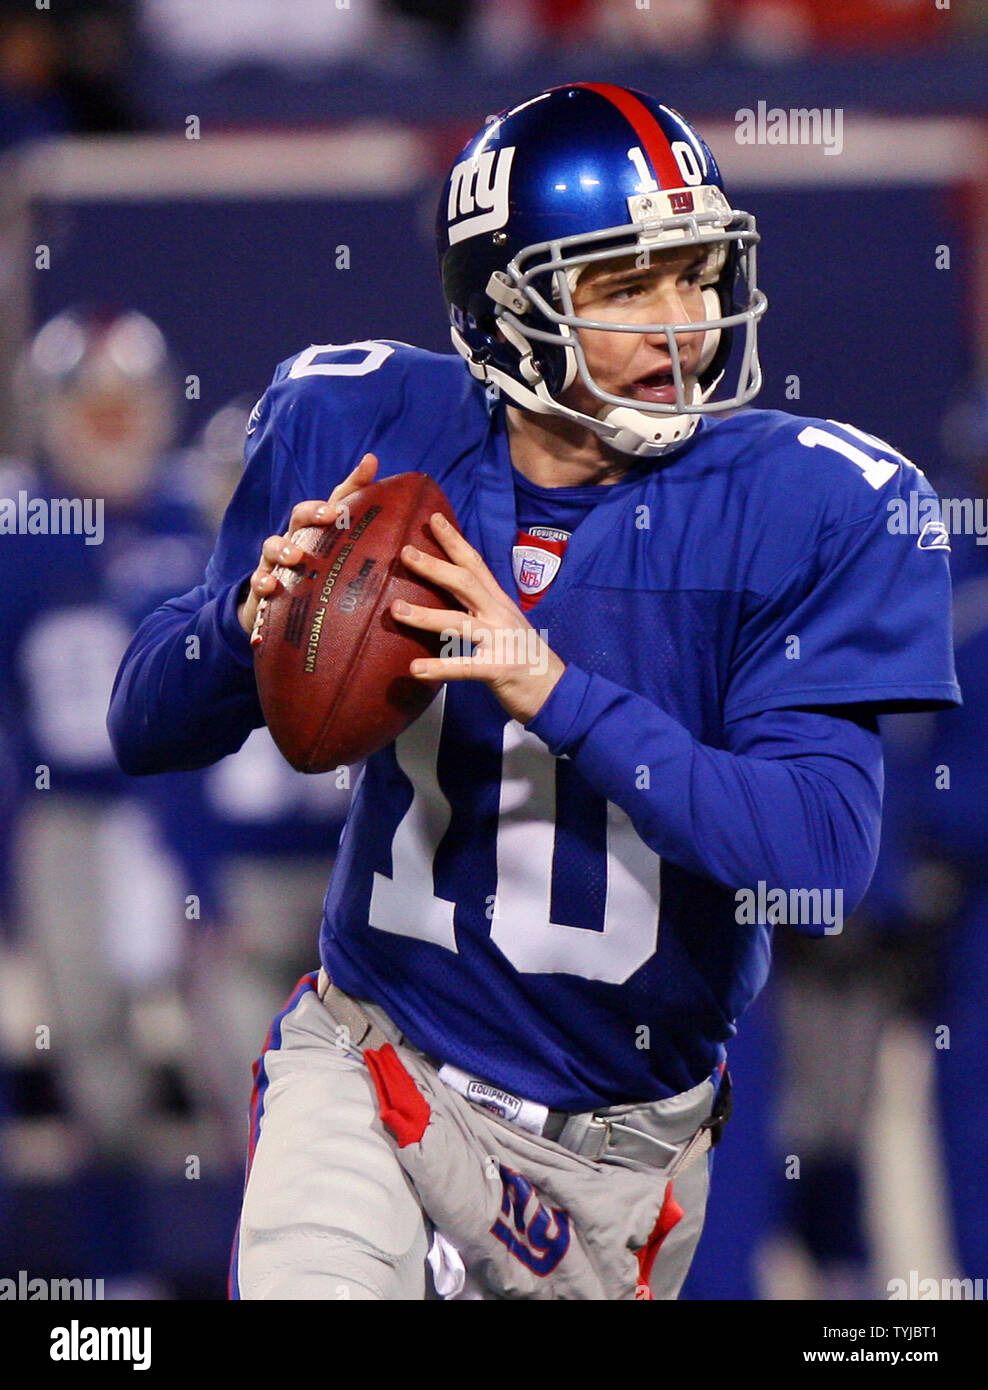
[
  {"x": 592, "y": 1134},
  {"x": 598, "y": 1135},
  {"x": 361, "y": 1031}
]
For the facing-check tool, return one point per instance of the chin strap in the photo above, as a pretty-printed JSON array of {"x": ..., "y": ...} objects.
[
  {"x": 628, "y": 430},
  {"x": 633, "y": 432}
]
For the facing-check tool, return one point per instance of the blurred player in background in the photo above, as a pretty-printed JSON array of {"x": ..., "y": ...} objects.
[
  {"x": 138, "y": 959},
  {"x": 101, "y": 893}
]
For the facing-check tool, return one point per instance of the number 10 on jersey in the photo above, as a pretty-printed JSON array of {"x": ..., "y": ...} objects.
[{"x": 521, "y": 928}]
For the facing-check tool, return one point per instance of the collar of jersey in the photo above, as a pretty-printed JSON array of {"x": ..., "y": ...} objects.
[
  {"x": 499, "y": 527},
  {"x": 591, "y": 493}
]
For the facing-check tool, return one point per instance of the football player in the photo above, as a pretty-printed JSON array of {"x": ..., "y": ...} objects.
[
  {"x": 105, "y": 944},
  {"x": 656, "y": 738},
  {"x": 100, "y": 390}
]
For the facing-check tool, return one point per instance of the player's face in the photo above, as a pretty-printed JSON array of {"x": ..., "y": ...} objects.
[
  {"x": 106, "y": 440},
  {"x": 639, "y": 366}
]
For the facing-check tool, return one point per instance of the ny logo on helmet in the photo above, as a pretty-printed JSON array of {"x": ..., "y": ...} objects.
[{"x": 479, "y": 182}]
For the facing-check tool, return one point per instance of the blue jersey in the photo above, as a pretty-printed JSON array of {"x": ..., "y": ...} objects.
[
  {"x": 555, "y": 907},
  {"x": 73, "y": 607}
]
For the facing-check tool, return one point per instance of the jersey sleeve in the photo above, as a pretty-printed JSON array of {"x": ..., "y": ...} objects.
[
  {"x": 269, "y": 487},
  {"x": 185, "y": 694},
  {"x": 793, "y": 801},
  {"x": 863, "y": 615}
]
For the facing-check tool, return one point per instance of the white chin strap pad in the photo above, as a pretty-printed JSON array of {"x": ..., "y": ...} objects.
[{"x": 631, "y": 431}]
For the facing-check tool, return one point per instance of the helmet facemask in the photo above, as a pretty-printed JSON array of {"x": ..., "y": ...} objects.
[{"x": 534, "y": 312}]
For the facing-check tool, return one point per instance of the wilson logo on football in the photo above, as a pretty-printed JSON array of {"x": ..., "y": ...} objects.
[{"x": 478, "y": 194}]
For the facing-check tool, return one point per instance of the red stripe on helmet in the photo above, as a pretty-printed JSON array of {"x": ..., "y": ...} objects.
[{"x": 650, "y": 134}]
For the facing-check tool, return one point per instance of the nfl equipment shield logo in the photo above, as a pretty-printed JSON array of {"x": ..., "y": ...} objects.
[
  {"x": 531, "y": 572},
  {"x": 534, "y": 567},
  {"x": 535, "y": 561}
]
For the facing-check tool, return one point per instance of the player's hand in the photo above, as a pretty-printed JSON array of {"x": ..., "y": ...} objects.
[
  {"x": 279, "y": 550},
  {"x": 509, "y": 654}
]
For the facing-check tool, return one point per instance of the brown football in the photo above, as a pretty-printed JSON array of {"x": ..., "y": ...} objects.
[{"x": 331, "y": 662}]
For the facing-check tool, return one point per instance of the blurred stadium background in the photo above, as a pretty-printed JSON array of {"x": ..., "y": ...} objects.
[{"x": 251, "y": 177}]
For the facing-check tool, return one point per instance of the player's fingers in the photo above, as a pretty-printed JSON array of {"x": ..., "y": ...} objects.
[
  {"x": 276, "y": 550},
  {"x": 323, "y": 511},
  {"x": 315, "y": 511},
  {"x": 280, "y": 550},
  {"x": 459, "y": 549},
  {"x": 263, "y": 584},
  {"x": 430, "y": 619},
  {"x": 331, "y": 510},
  {"x": 456, "y": 545},
  {"x": 463, "y": 584},
  {"x": 455, "y": 668},
  {"x": 362, "y": 475}
]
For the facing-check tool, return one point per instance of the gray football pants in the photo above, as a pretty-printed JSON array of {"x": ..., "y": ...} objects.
[{"x": 328, "y": 1211}]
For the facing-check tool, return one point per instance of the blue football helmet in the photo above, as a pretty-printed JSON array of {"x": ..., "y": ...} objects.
[
  {"x": 100, "y": 392},
  {"x": 574, "y": 176}
]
